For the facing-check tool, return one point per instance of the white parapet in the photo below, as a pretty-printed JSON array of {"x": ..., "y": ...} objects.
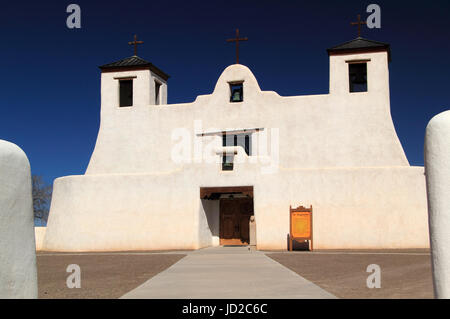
[
  {"x": 437, "y": 170},
  {"x": 18, "y": 275}
]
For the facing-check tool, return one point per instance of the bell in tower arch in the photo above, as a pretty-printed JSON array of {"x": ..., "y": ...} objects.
[{"x": 236, "y": 92}]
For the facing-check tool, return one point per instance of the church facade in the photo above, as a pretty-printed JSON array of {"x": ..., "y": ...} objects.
[{"x": 192, "y": 175}]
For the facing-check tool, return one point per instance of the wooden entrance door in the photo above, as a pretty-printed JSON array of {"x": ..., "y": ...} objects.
[{"x": 234, "y": 221}]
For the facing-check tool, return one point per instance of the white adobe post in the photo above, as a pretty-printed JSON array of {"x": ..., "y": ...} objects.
[
  {"x": 437, "y": 170},
  {"x": 18, "y": 274}
]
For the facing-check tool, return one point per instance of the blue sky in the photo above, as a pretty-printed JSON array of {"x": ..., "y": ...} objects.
[{"x": 50, "y": 86}]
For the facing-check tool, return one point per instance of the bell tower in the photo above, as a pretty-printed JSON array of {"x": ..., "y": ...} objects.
[
  {"x": 359, "y": 66},
  {"x": 132, "y": 82}
]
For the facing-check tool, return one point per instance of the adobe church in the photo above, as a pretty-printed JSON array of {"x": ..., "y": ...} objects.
[{"x": 192, "y": 175}]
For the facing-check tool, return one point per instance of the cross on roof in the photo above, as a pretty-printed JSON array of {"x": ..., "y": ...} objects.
[
  {"x": 135, "y": 43},
  {"x": 237, "y": 39},
  {"x": 359, "y": 24}
]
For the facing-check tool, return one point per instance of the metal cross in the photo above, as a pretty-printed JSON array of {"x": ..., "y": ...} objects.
[
  {"x": 135, "y": 43},
  {"x": 359, "y": 24},
  {"x": 237, "y": 39}
]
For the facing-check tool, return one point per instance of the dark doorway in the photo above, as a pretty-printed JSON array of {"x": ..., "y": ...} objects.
[{"x": 235, "y": 216}]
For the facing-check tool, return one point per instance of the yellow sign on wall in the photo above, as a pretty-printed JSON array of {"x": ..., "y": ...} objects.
[{"x": 301, "y": 225}]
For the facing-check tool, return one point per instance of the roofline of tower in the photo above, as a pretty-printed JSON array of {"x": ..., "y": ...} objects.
[{"x": 360, "y": 50}]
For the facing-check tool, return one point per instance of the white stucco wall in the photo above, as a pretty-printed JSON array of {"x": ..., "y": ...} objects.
[
  {"x": 357, "y": 208},
  {"x": 353, "y": 208},
  {"x": 121, "y": 212},
  {"x": 39, "y": 235},
  {"x": 162, "y": 89},
  {"x": 338, "y": 152},
  {"x": 209, "y": 223},
  {"x": 18, "y": 274},
  {"x": 339, "y": 129}
]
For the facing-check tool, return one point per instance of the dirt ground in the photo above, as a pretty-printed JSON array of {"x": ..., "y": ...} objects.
[
  {"x": 102, "y": 275},
  {"x": 404, "y": 274}
]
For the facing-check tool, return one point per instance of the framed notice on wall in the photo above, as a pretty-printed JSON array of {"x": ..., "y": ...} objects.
[{"x": 300, "y": 226}]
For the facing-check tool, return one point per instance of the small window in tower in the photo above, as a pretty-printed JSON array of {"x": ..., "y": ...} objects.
[
  {"x": 358, "y": 77},
  {"x": 243, "y": 140},
  {"x": 237, "y": 92},
  {"x": 227, "y": 163},
  {"x": 157, "y": 93},
  {"x": 126, "y": 92},
  {"x": 247, "y": 144},
  {"x": 227, "y": 160}
]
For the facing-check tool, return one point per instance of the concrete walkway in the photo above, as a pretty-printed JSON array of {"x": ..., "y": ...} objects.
[{"x": 226, "y": 273}]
